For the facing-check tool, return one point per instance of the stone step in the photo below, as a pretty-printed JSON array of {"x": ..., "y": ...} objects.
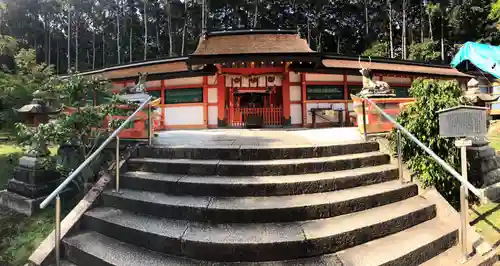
[
  {"x": 258, "y": 242},
  {"x": 260, "y": 209},
  {"x": 249, "y": 152},
  {"x": 257, "y": 185},
  {"x": 94, "y": 249},
  {"x": 410, "y": 247},
  {"x": 65, "y": 263},
  {"x": 258, "y": 168}
]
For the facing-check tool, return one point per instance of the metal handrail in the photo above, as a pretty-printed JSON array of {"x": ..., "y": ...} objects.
[
  {"x": 465, "y": 184},
  {"x": 438, "y": 159},
  {"x": 59, "y": 189},
  {"x": 63, "y": 185}
]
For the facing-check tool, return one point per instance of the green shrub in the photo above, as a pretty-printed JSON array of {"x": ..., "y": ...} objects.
[{"x": 421, "y": 119}]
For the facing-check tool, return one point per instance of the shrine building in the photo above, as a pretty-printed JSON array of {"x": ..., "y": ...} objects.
[{"x": 267, "y": 77}]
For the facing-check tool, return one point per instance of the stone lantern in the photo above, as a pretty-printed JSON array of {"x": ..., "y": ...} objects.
[
  {"x": 35, "y": 177},
  {"x": 39, "y": 110}
]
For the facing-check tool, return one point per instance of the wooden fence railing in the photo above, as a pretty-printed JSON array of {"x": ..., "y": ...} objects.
[{"x": 255, "y": 117}]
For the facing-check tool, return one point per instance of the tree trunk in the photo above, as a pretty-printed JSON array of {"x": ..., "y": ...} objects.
[
  {"x": 88, "y": 57},
  {"x": 431, "y": 35},
  {"x": 308, "y": 32},
  {"x": 77, "y": 21},
  {"x": 50, "y": 48},
  {"x": 169, "y": 25},
  {"x": 57, "y": 55},
  {"x": 158, "y": 44},
  {"x": 103, "y": 50},
  {"x": 366, "y": 18},
  {"x": 93, "y": 49},
  {"x": 184, "y": 28},
  {"x": 391, "y": 34},
  {"x": 130, "y": 49},
  {"x": 318, "y": 43},
  {"x": 145, "y": 17},
  {"x": 68, "y": 53},
  {"x": 256, "y": 13},
  {"x": 404, "y": 31},
  {"x": 45, "y": 39},
  {"x": 118, "y": 34},
  {"x": 203, "y": 18},
  {"x": 422, "y": 24},
  {"x": 338, "y": 44},
  {"x": 442, "y": 38}
]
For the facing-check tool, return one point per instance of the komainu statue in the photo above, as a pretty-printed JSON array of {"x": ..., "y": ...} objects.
[{"x": 371, "y": 87}]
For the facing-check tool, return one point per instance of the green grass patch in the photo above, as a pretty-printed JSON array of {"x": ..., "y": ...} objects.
[
  {"x": 21, "y": 235},
  {"x": 494, "y": 142},
  {"x": 486, "y": 219}
]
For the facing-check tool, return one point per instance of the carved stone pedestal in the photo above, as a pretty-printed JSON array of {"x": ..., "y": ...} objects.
[
  {"x": 484, "y": 169},
  {"x": 32, "y": 182}
]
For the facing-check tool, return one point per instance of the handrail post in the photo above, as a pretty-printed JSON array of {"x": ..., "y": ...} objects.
[
  {"x": 57, "y": 231},
  {"x": 117, "y": 165},
  {"x": 363, "y": 105},
  {"x": 400, "y": 158},
  {"x": 150, "y": 124},
  {"x": 464, "y": 205}
]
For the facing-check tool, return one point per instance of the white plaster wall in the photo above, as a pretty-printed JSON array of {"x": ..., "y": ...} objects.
[
  {"x": 212, "y": 80},
  {"x": 309, "y": 106},
  {"x": 324, "y": 77},
  {"x": 212, "y": 115},
  {"x": 212, "y": 95},
  {"x": 184, "y": 81},
  {"x": 397, "y": 80},
  {"x": 294, "y": 77},
  {"x": 153, "y": 84},
  {"x": 296, "y": 113},
  {"x": 295, "y": 93},
  {"x": 184, "y": 115}
]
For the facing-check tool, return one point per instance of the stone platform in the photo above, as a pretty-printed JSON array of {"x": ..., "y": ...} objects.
[{"x": 235, "y": 138}]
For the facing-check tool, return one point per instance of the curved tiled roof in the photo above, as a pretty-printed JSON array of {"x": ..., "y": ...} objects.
[
  {"x": 252, "y": 42},
  {"x": 405, "y": 67}
]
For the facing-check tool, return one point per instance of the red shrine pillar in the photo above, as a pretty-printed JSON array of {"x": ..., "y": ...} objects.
[
  {"x": 287, "y": 121},
  {"x": 221, "y": 101}
]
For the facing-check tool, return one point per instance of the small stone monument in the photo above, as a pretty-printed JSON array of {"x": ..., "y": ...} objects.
[
  {"x": 35, "y": 177},
  {"x": 484, "y": 167}
]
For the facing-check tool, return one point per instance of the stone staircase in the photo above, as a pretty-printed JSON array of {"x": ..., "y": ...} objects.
[{"x": 326, "y": 205}]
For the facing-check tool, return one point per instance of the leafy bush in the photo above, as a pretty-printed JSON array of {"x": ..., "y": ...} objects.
[
  {"x": 420, "y": 119},
  {"x": 379, "y": 49},
  {"x": 424, "y": 51},
  {"x": 17, "y": 86}
]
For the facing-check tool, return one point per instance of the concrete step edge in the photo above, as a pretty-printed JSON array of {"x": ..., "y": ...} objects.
[
  {"x": 249, "y": 242},
  {"x": 261, "y": 209}
]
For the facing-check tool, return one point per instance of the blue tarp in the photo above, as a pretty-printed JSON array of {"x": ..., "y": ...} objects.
[{"x": 484, "y": 56}]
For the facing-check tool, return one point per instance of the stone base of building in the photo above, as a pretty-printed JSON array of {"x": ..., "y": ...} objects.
[{"x": 20, "y": 203}]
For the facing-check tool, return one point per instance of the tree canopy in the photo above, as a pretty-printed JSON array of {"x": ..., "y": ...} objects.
[{"x": 87, "y": 34}]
